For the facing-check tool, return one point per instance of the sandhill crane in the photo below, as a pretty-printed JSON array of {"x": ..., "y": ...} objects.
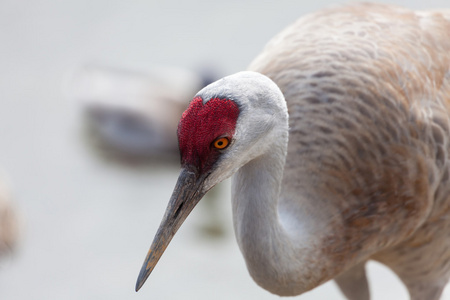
[{"x": 340, "y": 153}]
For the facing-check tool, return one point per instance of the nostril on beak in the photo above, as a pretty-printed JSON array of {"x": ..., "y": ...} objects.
[{"x": 177, "y": 212}]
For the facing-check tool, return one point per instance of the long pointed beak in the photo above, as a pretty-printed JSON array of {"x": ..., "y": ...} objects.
[{"x": 187, "y": 193}]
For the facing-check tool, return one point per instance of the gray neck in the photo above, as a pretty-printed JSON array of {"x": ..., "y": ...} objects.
[{"x": 270, "y": 238}]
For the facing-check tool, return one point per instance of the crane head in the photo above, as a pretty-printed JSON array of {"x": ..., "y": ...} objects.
[{"x": 214, "y": 142}]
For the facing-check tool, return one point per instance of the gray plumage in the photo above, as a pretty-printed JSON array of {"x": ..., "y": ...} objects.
[
  {"x": 368, "y": 93},
  {"x": 349, "y": 162}
]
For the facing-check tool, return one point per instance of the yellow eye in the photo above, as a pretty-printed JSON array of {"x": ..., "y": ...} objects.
[{"x": 221, "y": 143}]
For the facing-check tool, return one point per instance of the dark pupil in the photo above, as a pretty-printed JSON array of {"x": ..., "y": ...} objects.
[{"x": 220, "y": 143}]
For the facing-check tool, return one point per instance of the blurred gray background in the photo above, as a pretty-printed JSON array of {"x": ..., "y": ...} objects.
[{"x": 87, "y": 222}]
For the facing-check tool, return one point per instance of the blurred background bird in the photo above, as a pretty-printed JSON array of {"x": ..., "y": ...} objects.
[{"x": 134, "y": 115}]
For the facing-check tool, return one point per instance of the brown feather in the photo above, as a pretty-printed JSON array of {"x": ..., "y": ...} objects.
[{"x": 368, "y": 93}]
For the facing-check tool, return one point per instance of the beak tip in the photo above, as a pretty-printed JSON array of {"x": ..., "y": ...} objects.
[
  {"x": 143, "y": 275},
  {"x": 186, "y": 191},
  {"x": 139, "y": 283}
]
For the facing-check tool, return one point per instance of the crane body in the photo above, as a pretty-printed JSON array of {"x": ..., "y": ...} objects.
[{"x": 338, "y": 139}]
